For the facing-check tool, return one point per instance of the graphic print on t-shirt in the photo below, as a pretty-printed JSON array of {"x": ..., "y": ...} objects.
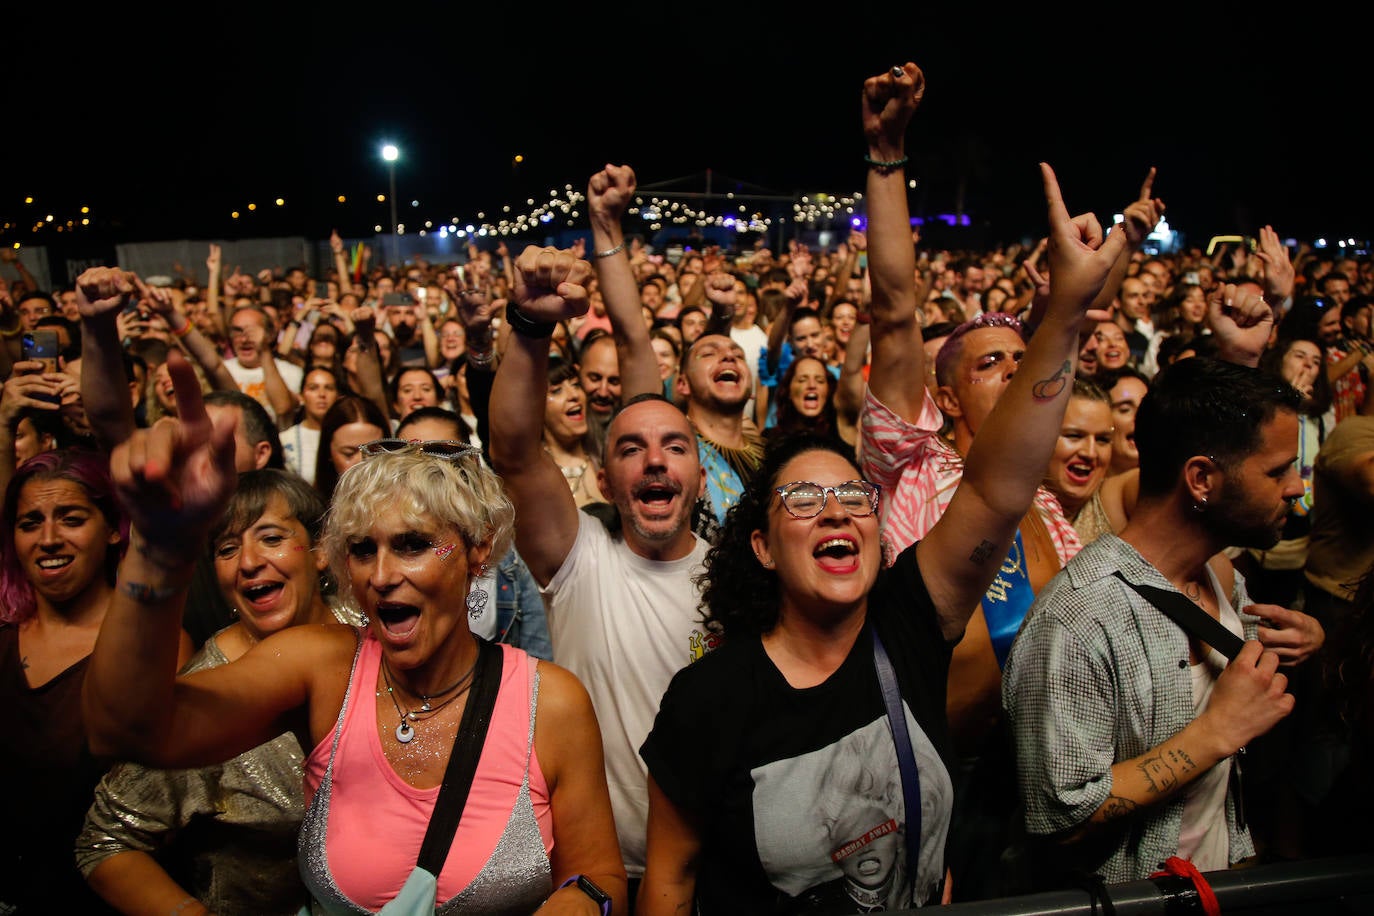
[{"x": 830, "y": 825}]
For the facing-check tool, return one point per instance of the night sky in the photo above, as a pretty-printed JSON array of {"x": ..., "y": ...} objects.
[{"x": 165, "y": 128}]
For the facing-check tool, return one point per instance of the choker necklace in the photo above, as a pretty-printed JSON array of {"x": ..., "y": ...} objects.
[{"x": 405, "y": 732}]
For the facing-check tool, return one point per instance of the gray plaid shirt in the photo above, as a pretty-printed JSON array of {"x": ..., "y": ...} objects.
[{"x": 1098, "y": 675}]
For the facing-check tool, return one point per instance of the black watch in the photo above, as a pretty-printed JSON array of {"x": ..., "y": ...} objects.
[{"x": 588, "y": 887}]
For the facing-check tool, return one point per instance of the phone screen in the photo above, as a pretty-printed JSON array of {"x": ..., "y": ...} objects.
[
  {"x": 321, "y": 290},
  {"x": 43, "y": 345}
]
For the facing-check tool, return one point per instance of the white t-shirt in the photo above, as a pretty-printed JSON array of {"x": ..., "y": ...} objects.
[
  {"x": 625, "y": 625},
  {"x": 753, "y": 340},
  {"x": 1203, "y": 838},
  {"x": 251, "y": 382},
  {"x": 300, "y": 447}
]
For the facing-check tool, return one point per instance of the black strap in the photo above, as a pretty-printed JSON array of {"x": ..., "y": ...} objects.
[
  {"x": 462, "y": 760},
  {"x": 1190, "y": 617},
  {"x": 906, "y": 761}
]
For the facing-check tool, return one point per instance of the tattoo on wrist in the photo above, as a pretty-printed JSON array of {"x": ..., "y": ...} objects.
[
  {"x": 146, "y": 594},
  {"x": 981, "y": 552}
]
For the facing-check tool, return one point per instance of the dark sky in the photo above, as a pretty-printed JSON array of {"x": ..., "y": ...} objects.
[{"x": 165, "y": 127}]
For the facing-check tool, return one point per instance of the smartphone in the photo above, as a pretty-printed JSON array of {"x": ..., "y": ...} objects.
[
  {"x": 44, "y": 345},
  {"x": 391, "y": 299},
  {"x": 321, "y": 290}
]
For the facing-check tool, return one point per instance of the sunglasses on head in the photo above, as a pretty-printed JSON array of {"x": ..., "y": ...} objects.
[{"x": 447, "y": 449}]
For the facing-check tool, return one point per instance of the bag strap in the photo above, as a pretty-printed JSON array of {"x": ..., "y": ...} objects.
[
  {"x": 1193, "y": 619},
  {"x": 906, "y": 760},
  {"x": 462, "y": 760}
]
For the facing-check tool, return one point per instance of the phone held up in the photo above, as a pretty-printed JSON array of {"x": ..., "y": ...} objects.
[{"x": 43, "y": 345}]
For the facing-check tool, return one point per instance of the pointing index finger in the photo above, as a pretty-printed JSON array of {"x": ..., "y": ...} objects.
[
  {"x": 1058, "y": 212},
  {"x": 1147, "y": 186}
]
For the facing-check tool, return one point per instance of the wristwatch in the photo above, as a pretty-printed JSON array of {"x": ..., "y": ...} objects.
[{"x": 588, "y": 887}]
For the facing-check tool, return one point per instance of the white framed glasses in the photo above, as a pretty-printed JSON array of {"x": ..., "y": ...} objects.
[{"x": 804, "y": 499}]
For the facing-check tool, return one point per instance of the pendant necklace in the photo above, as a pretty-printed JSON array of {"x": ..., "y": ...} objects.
[{"x": 405, "y": 732}]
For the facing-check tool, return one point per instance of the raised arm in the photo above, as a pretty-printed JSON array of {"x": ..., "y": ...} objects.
[
  {"x": 101, "y": 294},
  {"x": 1007, "y": 460},
  {"x": 205, "y": 353},
  {"x": 608, "y": 194},
  {"x": 897, "y": 375},
  {"x": 550, "y": 285},
  {"x": 371, "y": 385},
  {"x": 340, "y": 255}
]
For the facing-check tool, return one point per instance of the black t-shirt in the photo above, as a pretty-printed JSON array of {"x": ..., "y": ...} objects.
[{"x": 798, "y": 792}]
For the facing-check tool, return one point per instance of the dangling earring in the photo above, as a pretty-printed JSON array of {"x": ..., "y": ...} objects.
[
  {"x": 477, "y": 596},
  {"x": 1201, "y": 505}
]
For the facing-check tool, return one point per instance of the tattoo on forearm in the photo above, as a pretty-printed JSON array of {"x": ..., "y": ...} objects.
[
  {"x": 1050, "y": 388},
  {"x": 981, "y": 552},
  {"x": 1159, "y": 774},
  {"x": 1116, "y": 807}
]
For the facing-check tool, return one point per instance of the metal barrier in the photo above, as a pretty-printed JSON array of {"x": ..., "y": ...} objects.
[{"x": 1326, "y": 886}]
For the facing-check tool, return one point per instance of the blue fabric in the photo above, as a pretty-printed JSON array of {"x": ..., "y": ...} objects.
[
  {"x": 520, "y": 617},
  {"x": 1007, "y": 599}
]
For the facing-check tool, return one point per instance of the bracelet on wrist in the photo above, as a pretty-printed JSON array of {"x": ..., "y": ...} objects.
[
  {"x": 884, "y": 166},
  {"x": 526, "y": 326},
  {"x": 186, "y": 328},
  {"x": 611, "y": 252},
  {"x": 481, "y": 360}
]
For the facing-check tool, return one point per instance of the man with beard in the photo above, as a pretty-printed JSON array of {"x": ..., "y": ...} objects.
[
  {"x": 598, "y": 373},
  {"x": 622, "y": 605},
  {"x": 1127, "y": 726},
  {"x": 713, "y": 380},
  {"x": 258, "y": 374},
  {"x": 408, "y": 329}
]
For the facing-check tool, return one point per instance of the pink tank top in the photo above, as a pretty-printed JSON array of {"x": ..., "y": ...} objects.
[{"x": 370, "y": 823}]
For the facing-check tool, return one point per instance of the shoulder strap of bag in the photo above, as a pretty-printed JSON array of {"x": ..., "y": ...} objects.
[
  {"x": 1193, "y": 619},
  {"x": 462, "y": 760},
  {"x": 906, "y": 760}
]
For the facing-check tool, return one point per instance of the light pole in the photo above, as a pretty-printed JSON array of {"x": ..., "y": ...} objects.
[{"x": 390, "y": 153}]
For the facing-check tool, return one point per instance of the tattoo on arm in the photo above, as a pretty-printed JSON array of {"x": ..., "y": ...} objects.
[
  {"x": 1050, "y": 388},
  {"x": 981, "y": 552},
  {"x": 1116, "y": 807},
  {"x": 146, "y": 594},
  {"x": 1159, "y": 774}
]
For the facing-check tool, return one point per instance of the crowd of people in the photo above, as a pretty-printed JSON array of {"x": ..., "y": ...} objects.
[{"x": 606, "y": 580}]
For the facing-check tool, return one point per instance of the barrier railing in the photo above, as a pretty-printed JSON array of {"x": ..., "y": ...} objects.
[{"x": 1328, "y": 886}]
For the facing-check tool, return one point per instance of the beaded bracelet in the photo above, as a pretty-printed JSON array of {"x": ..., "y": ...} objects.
[
  {"x": 611, "y": 252},
  {"x": 885, "y": 167},
  {"x": 526, "y": 326},
  {"x": 481, "y": 360}
]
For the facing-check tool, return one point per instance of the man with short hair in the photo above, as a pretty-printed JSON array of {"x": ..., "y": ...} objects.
[
  {"x": 259, "y": 375},
  {"x": 622, "y": 605},
  {"x": 1125, "y": 723},
  {"x": 598, "y": 374},
  {"x": 969, "y": 283}
]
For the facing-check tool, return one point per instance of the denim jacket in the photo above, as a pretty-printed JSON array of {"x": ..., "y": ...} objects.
[{"x": 520, "y": 617}]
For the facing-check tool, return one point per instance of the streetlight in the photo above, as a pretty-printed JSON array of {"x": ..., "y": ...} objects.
[{"x": 390, "y": 153}]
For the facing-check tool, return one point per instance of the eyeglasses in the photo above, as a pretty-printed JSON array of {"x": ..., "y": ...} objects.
[
  {"x": 447, "y": 449},
  {"x": 804, "y": 499}
]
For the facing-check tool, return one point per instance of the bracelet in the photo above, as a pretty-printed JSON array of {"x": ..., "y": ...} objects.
[
  {"x": 480, "y": 360},
  {"x": 863, "y": 318},
  {"x": 612, "y": 252},
  {"x": 526, "y": 326},
  {"x": 187, "y": 328},
  {"x": 885, "y": 167}
]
